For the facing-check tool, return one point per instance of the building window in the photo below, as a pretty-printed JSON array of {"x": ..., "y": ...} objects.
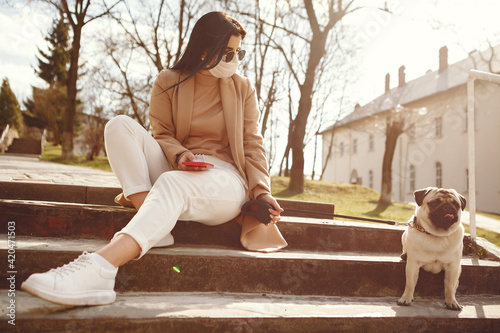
[
  {"x": 355, "y": 146},
  {"x": 412, "y": 178},
  {"x": 371, "y": 143},
  {"x": 439, "y": 175},
  {"x": 370, "y": 179},
  {"x": 354, "y": 177},
  {"x": 439, "y": 127},
  {"x": 341, "y": 149}
]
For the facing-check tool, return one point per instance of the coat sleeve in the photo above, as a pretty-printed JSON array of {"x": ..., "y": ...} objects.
[
  {"x": 162, "y": 118},
  {"x": 256, "y": 164}
]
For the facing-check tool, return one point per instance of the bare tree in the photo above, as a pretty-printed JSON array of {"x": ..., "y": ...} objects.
[
  {"x": 395, "y": 126},
  {"x": 147, "y": 36},
  {"x": 263, "y": 50},
  {"x": 260, "y": 63},
  {"x": 321, "y": 22},
  {"x": 118, "y": 75},
  {"x": 94, "y": 132},
  {"x": 159, "y": 29},
  {"x": 285, "y": 160}
]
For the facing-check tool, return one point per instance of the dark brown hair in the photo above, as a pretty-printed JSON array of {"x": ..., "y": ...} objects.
[{"x": 210, "y": 35}]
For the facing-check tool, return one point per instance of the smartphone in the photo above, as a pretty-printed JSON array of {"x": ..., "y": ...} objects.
[{"x": 197, "y": 164}]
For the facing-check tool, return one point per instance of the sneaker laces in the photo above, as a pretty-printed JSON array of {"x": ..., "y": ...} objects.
[{"x": 82, "y": 261}]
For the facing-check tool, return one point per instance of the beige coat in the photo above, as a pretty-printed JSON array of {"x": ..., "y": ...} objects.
[{"x": 170, "y": 116}]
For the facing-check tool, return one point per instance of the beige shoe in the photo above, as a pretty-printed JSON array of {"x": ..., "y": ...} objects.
[{"x": 124, "y": 202}]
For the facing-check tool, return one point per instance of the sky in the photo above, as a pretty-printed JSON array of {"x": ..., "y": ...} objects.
[
  {"x": 21, "y": 31},
  {"x": 412, "y": 37}
]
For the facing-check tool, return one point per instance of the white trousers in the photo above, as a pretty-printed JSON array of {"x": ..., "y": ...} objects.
[{"x": 211, "y": 197}]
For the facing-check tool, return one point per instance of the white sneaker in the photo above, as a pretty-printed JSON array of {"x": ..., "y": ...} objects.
[{"x": 81, "y": 282}]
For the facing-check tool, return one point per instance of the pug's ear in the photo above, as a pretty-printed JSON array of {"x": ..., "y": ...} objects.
[
  {"x": 420, "y": 195},
  {"x": 463, "y": 201}
]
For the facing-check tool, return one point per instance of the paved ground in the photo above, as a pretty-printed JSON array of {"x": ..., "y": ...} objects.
[
  {"x": 29, "y": 168},
  {"x": 197, "y": 305}
]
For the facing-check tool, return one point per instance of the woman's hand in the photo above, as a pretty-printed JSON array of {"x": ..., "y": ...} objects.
[
  {"x": 186, "y": 157},
  {"x": 275, "y": 213}
]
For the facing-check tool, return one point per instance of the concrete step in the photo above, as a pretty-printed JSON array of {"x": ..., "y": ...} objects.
[
  {"x": 69, "y": 220},
  {"x": 254, "y": 312},
  {"x": 79, "y": 194},
  {"x": 211, "y": 269},
  {"x": 25, "y": 146}
]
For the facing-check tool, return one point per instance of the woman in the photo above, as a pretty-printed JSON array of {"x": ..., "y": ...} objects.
[{"x": 199, "y": 107}]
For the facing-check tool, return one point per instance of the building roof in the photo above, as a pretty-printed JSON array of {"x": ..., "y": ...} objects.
[{"x": 431, "y": 83}]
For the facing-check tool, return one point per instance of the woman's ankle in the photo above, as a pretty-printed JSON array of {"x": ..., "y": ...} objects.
[{"x": 120, "y": 250}]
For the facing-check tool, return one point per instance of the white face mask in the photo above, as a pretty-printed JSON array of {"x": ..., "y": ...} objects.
[{"x": 225, "y": 69}]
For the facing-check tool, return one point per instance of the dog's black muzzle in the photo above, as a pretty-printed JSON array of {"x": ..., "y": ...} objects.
[{"x": 444, "y": 216}]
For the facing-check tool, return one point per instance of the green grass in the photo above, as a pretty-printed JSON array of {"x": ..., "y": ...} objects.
[
  {"x": 52, "y": 153},
  {"x": 489, "y": 235},
  {"x": 352, "y": 200},
  {"x": 491, "y": 215}
]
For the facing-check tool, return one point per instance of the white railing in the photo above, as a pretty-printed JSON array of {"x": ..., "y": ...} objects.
[
  {"x": 3, "y": 144},
  {"x": 473, "y": 76}
]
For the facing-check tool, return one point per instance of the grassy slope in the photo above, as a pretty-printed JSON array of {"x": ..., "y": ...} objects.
[
  {"x": 53, "y": 154},
  {"x": 352, "y": 200}
]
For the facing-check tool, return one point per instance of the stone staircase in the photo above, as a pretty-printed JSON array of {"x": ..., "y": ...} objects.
[
  {"x": 25, "y": 146},
  {"x": 333, "y": 276}
]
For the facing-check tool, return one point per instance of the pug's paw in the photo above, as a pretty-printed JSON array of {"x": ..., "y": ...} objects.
[
  {"x": 405, "y": 300},
  {"x": 453, "y": 305}
]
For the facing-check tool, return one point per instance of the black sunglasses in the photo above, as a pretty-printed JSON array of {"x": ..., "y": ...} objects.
[{"x": 230, "y": 55}]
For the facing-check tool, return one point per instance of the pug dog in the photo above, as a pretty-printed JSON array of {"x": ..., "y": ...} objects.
[{"x": 433, "y": 240}]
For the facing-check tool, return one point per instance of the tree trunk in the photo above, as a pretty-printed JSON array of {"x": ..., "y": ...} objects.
[
  {"x": 67, "y": 142},
  {"x": 296, "y": 184},
  {"x": 393, "y": 131}
]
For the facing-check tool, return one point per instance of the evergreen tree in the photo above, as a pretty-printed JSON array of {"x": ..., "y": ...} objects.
[
  {"x": 53, "y": 68},
  {"x": 47, "y": 106},
  {"x": 10, "y": 110}
]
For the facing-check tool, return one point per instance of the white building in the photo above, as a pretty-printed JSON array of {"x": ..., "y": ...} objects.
[{"x": 432, "y": 150}]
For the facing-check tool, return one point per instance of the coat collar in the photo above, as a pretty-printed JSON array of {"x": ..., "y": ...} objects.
[
  {"x": 229, "y": 107},
  {"x": 185, "y": 106},
  {"x": 233, "y": 116}
]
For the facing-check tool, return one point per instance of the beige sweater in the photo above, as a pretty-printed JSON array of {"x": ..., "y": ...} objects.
[
  {"x": 208, "y": 133},
  {"x": 211, "y": 116}
]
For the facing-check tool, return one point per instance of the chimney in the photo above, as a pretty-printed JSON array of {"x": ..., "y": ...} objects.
[
  {"x": 443, "y": 59},
  {"x": 387, "y": 82},
  {"x": 402, "y": 76}
]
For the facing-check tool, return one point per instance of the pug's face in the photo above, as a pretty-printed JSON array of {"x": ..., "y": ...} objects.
[{"x": 439, "y": 210}]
